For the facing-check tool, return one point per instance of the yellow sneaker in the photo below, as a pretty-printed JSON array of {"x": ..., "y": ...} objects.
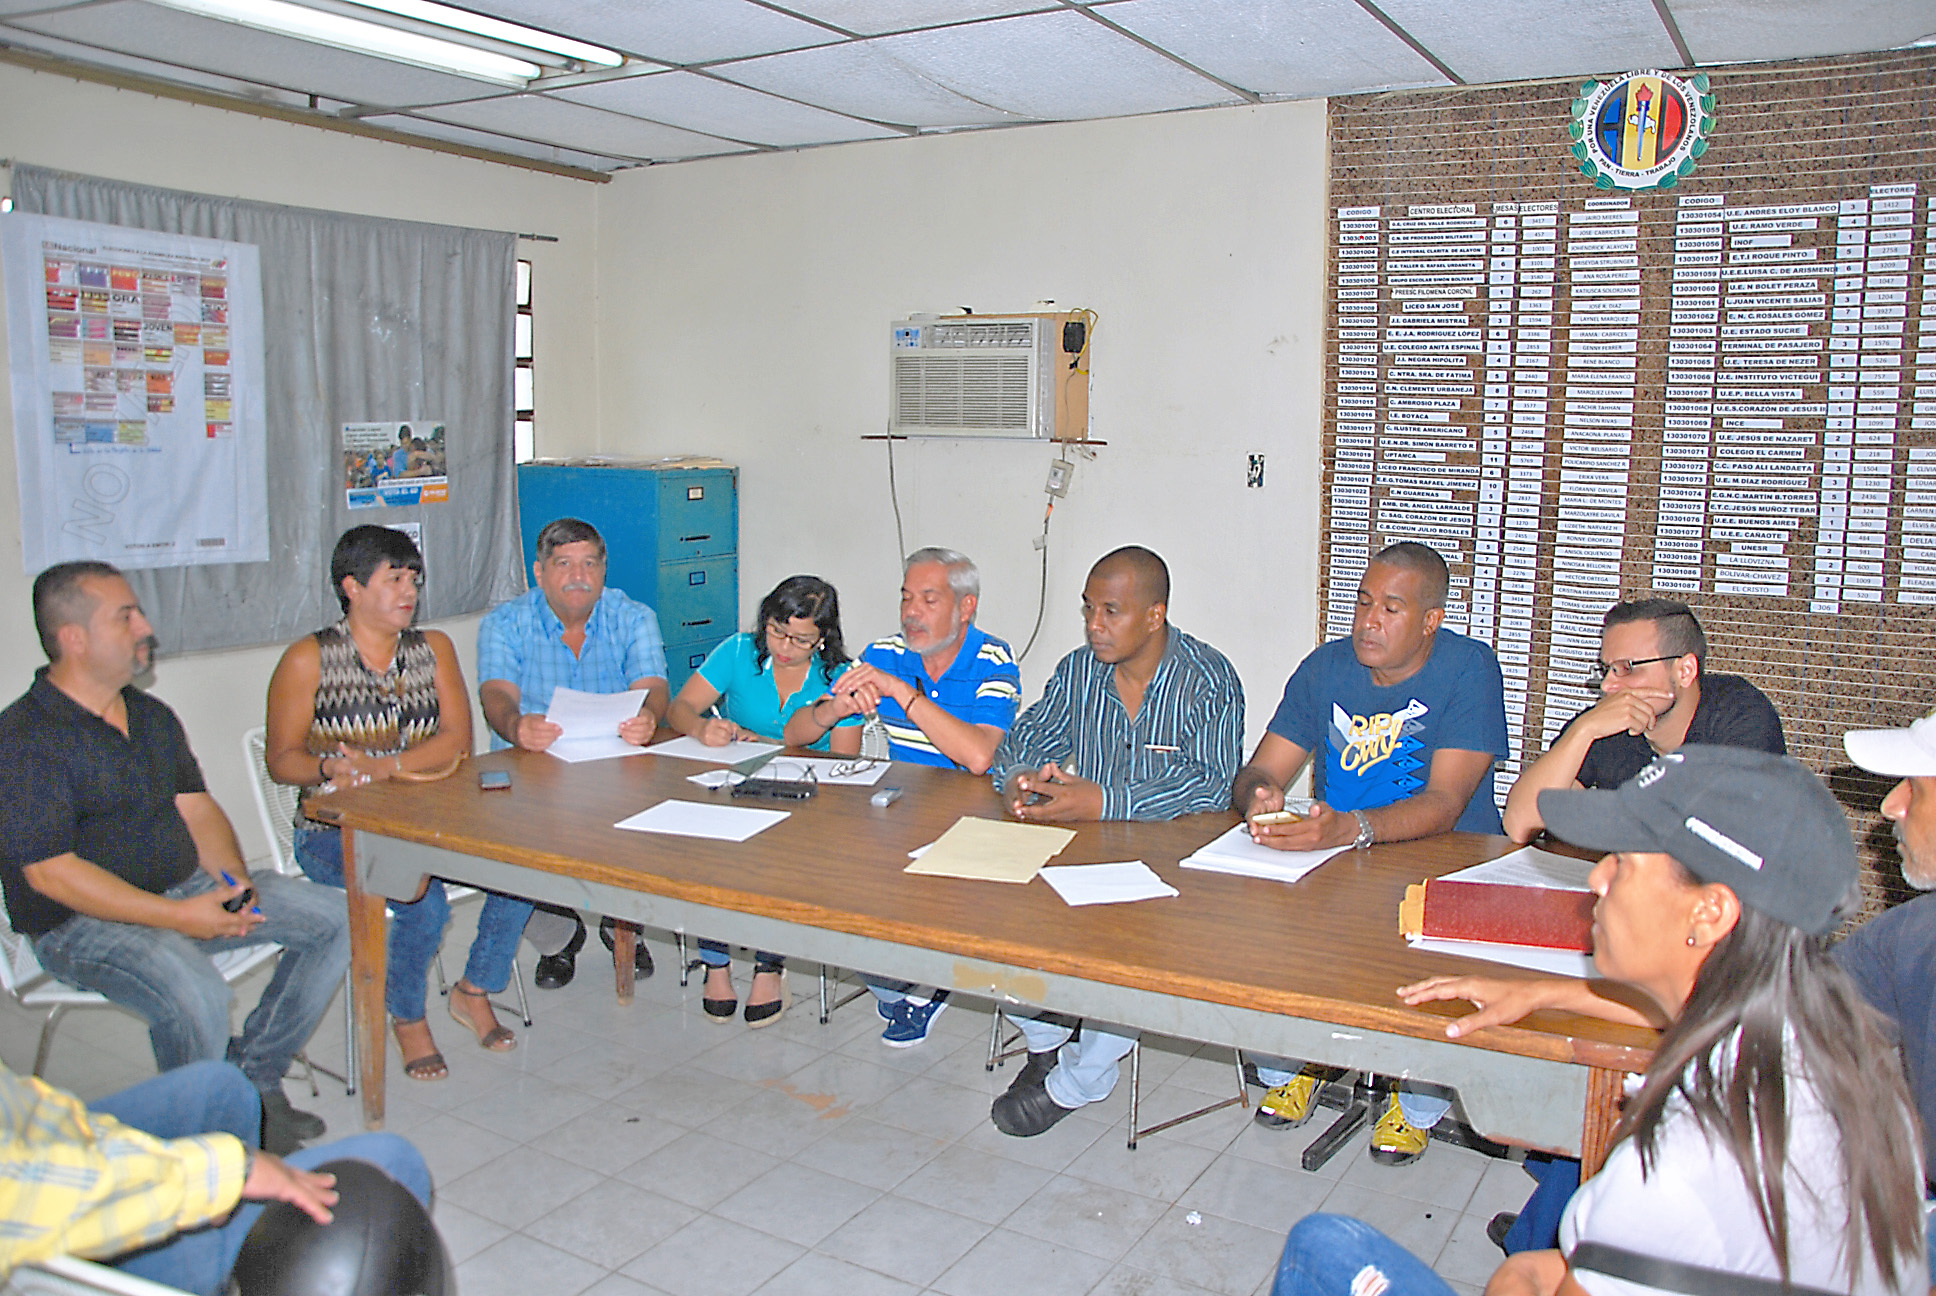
[
  {"x": 1395, "y": 1140},
  {"x": 1289, "y": 1105}
]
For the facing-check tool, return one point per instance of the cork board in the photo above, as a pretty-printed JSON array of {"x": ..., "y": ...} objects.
[{"x": 1720, "y": 393}]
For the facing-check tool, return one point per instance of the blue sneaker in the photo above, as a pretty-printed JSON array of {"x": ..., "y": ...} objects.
[
  {"x": 889, "y": 1009},
  {"x": 910, "y": 1024}
]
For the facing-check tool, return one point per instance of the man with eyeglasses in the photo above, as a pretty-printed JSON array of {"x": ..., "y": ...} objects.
[
  {"x": 1402, "y": 722},
  {"x": 567, "y": 631},
  {"x": 1656, "y": 697},
  {"x": 946, "y": 693}
]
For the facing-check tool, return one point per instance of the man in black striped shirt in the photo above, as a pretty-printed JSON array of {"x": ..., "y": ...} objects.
[{"x": 1142, "y": 722}]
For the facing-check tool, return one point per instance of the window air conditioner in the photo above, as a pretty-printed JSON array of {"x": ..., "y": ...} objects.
[{"x": 990, "y": 376}]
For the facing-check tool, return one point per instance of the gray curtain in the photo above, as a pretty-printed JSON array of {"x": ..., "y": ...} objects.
[{"x": 365, "y": 320}]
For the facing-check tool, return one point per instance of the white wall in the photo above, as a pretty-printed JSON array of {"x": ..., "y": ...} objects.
[
  {"x": 744, "y": 312},
  {"x": 57, "y": 122}
]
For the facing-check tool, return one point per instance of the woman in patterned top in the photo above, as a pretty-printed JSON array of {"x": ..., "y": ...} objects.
[{"x": 373, "y": 698}]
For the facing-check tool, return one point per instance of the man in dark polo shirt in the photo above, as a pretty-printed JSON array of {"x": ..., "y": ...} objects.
[
  {"x": 125, "y": 874},
  {"x": 1657, "y": 697}
]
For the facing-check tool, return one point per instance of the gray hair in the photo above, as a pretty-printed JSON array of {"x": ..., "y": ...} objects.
[{"x": 964, "y": 578}]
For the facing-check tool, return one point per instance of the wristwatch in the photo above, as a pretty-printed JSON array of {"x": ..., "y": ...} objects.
[{"x": 1364, "y": 830}]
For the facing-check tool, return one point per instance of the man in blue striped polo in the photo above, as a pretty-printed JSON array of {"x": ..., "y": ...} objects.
[
  {"x": 1142, "y": 722},
  {"x": 946, "y": 692}
]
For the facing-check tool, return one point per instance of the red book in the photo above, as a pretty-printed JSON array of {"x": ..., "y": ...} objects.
[{"x": 1505, "y": 915}]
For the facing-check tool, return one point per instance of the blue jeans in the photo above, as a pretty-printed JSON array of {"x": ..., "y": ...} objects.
[
  {"x": 167, "y": 979},
  {"x": 417, "y": 928},
  {"x": 209, "y": 1098},
  {"x": 713, "y": 954},
  {"x": 1538, "y": 1225},
  {"x": 1328, "y": 1255}
]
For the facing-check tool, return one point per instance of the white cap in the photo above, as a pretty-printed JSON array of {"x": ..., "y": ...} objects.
[{"x": 1899, "y": 753}]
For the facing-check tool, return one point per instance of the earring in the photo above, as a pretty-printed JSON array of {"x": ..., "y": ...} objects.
[{"x": 1690, "y": 940}]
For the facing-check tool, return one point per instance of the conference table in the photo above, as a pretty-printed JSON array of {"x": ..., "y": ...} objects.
[{"x": 1305, "y": 971}]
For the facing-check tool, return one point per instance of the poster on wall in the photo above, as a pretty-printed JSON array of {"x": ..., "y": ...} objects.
[
  {"x": 388, "y": 465},
  {"x": 137, "y": 364}
]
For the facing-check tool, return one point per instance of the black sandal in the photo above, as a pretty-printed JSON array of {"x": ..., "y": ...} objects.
[
  {"x": 719, "y": 1010},
  {"x": 765, "y": 1014}
]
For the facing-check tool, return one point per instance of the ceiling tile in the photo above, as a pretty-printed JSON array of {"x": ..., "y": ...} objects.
[
  {"x": 249, "y": 55},
  {"x": 502, "y": 143},
  {"x": 1519, "y": 40},
  {"x": 865, "y": 81},
  {"x": 1726, "y": 31},
  {"x": 30, "y": 6},
  {"x": 1292, "y": 48},
  {"x": 254, "y": 91},
  {"x": 699, "y": 103},
  {"x": 872, "y": 17},
  {"x": 538, "y": 117},
  {"x": 1051, "y": 67},
  {"x": 670, "y": 31}
]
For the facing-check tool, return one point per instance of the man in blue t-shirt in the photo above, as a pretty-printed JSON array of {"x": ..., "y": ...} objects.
[
  {"x": 567, "y": 631},
  {"x": 1404, "y": 721},
  {"x": 946, "y": 694}
]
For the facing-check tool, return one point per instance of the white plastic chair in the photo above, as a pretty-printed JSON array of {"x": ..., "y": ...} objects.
[
  {"x": 275, "y": 805},
  {"x": 35, "y": 987}
]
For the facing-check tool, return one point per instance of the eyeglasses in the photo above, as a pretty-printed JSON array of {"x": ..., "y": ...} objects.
[
  {"x": 1625, "y": 667},
  {"x": 847, "y": 769},
  {"x": 806, "y": 643}
]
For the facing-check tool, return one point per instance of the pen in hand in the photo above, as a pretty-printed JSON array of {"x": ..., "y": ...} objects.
[{"x": 254, "y": 909}]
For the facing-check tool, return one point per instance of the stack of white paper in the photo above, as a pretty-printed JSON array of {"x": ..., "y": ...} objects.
[
  {"x": 702, "y": 819},
  {"x": 688, "y": 748},
  {"x": 1087, "y": 884},
  {"x": 1235, "y": 852}
]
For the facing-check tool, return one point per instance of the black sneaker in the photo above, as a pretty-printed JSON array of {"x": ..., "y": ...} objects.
[
  {"x": 1498, "y": 1226},
  {"x": 284, "y": 1128}
]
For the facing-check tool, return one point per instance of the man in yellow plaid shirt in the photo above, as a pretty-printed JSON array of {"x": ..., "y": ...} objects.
[{"x": 150, "y": 1179}]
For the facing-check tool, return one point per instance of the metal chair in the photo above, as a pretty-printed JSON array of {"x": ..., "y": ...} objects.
[
  {"x": 275, "y": 806},
  {"x": 1000, "y": 1050},
  {"x": 72, "y": 1276}
]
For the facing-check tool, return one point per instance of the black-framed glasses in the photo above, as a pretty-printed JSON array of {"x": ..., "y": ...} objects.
[
  {"x": 805, "y": 643},
  {"x": 1625, "y": 666}
]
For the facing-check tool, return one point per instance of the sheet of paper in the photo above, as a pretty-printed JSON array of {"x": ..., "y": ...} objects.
[
  {"x": 1235, "y": 852},
  {"x": 592, "y": 715},
  {"x": 573, "y": 750},
  {"x": 702, "y": 819},
  {"x": 992, "y": 850},
  {"x": 1567, "y": 963},
  {"x": 689, "y": 748},
  {"x": 1530, "y": 866},
  {"x": 1087, "y": 884}
]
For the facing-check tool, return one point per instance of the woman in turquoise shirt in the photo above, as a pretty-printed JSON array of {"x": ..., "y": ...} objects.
[{"x": 752, "y": 684}]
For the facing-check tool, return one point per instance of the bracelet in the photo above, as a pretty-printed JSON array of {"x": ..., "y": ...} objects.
[{"x": 322, "y": 769}]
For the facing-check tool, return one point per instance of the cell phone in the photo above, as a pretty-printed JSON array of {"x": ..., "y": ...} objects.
[
  {"x": 1277, "y": 817},
  {"x": 494, "y": 781},
  {"x": 237, "y": 903}
]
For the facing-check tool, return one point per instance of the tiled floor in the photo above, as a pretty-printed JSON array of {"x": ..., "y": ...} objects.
[{"x": 647, "y": 1150}]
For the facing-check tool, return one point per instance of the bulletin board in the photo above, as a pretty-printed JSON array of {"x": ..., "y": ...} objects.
[{"x": 1719, "y": 392}]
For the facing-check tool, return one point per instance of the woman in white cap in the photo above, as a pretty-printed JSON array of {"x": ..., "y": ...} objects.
[{"x": 1771, "y": 1145}]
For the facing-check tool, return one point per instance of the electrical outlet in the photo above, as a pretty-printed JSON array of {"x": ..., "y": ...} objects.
[
  {"x": 1059, "y": 473},
  {"x": 1254, "y": 475}
]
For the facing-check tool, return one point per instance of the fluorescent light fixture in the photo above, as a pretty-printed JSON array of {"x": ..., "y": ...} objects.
[
  {"x": 497, "y": 29},
  {"x": 361, "y": 37}
]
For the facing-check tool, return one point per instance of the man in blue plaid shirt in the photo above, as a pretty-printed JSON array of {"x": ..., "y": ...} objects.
[{"x": 567, "y": 631}]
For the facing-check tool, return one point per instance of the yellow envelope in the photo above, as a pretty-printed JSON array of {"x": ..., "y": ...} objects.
[{"x": 992, "y": 850}]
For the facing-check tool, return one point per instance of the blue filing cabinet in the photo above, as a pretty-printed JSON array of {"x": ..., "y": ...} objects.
[{"x": 671, "y": 539}]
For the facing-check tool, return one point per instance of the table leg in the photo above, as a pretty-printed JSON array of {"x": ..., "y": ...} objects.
[
  {"x": 369, "y": 959},
  {"x": 625, "y": 937},
  {"x": 1604, "y": 1091}
]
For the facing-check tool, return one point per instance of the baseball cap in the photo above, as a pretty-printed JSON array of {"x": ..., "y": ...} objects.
[
  {"x": 1760, "y": 824},
  {"x": 1899, "y": 753}
]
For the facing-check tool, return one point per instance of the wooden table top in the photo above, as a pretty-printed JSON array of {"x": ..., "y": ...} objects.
[{"x": 1326, "y": 948}]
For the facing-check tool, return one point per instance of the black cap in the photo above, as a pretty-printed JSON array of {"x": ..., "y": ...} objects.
[{"x": 1762, "y": 825}]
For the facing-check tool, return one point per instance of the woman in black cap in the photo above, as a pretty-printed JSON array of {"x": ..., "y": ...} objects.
[{"x": 1771, "y": 1142}]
